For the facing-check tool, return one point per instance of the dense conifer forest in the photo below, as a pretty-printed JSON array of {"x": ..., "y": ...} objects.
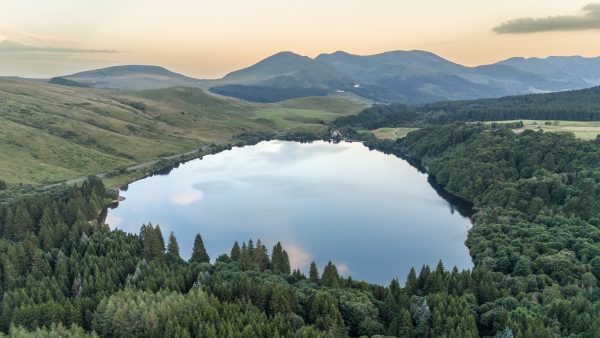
[
  {"x": 577, "y": 105},
  {"x": 535, "y": 243}
]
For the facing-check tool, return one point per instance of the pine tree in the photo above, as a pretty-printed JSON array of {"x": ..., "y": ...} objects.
[
  {"x": 152, "y": 241},
  {"x": 3, "y": 184},
  {"x": 173, "y": 247},
  {"x": 422, "y": 279},
  {"x": 402, "y": 325},
  {"x": 411, "y": 282},
  {"x": 21, "y": 223},
  {"x": 280, "y": 259},
  {"x": 285, "y": 263},
  {"x": 245, "y": 261},
  {"x": 160, "y": 237},
  {"x": 251, "y": 249},
  {"x": 330, "y": 276},
  {"x": 235, "y": 251},
  {"x": 313, "y": 273},
  {"x": 261, "y": 257},
  {"x": 199, "y": 253}
]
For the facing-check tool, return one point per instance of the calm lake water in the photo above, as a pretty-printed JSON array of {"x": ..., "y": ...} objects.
[{"x": 373, "y": 215}]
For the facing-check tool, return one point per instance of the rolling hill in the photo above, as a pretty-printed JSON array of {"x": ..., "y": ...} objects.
[
  {"x": 576, "y": 105},
  {"x": 280, "y": 77},
  {"x": 568, "y": 68},
  {"x": 50, "y": 133},
  {"x": 419, "y": 76},
  {"x": 135, "y": 77},
  {"x": 410, "y": 77}
]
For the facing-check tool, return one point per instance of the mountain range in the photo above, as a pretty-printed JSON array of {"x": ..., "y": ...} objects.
[{"x": 411, "y": 77}]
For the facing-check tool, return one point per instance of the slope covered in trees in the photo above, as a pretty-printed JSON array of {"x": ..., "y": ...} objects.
[
  {"x": 535, "y": 245},
  {"x": 577, "y": 105}
]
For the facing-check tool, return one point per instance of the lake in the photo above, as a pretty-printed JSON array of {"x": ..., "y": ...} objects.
[{"x": 373, "y": 215}]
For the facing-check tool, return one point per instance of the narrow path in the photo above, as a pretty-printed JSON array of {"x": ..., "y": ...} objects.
[{"x": 130, "y": 168}]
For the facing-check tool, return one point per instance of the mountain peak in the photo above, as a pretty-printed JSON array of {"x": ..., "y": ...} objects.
[
  {"x": 131, "y": 77},
  {"x": 126, "y": 70}
]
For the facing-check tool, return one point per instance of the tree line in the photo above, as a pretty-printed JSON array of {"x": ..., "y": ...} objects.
[
  {"x": 577, "y": 105},
  {"x": 535, "y": 243}
]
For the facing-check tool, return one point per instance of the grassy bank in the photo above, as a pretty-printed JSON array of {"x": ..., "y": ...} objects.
[
  {"x": 51, "y": 133},
  {"x": 585, "y": 130}
]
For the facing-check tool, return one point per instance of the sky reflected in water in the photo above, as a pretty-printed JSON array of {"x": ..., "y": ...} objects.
[{"x": 372, "y": 214}]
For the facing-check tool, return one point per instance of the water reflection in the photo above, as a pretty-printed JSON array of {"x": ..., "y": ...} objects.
[{"x": 372, "y": 214}]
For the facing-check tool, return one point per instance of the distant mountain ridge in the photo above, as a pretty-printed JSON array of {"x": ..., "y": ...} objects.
[
  {"x": 134, "y": 77},
  {"x": 411, "y": 77}
]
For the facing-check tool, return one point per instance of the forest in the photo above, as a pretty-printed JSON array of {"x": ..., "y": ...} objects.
[
  {"x": 535, "y": 243},
  {"x": 577, "y": 105}
]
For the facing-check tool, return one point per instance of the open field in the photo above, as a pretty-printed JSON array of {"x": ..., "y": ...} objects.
[
  {"x": 51, "y": 133},
  {"x": 392, "y": 133},
  {"x": 587, "y": 130}
]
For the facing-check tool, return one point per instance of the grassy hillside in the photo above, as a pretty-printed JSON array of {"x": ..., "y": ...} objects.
[
  {"x": 587, "y": 130},
  {"x": 392, "y": 133},
  {"x": 51, "y": 133}
]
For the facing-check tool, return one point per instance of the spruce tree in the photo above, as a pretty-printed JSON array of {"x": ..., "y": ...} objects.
[
  {"x": 199, "y": 253},
  {"x": 160, "y": 237},
  {"x": 313, "y": 273},
  {"x": 152, "y": 242},
  {"x": 280, "y": 260},
  {"x": 251, "y": 249},
  {"x": 411, "y": 282},
  {"x": 245, "y": 260},
  {"x": 423, "y": 276},
  {"x": 261, "y": 257},
  {"x": 402, "y": 325},
  {"x": 330, "y": 276},
  {"x": 235, "y": 251},
  {"x": 285, "y": 261},
  {"x": 173, "y": 247}
]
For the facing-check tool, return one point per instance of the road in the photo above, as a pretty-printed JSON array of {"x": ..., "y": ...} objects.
[{"x": 131, "y": 168}]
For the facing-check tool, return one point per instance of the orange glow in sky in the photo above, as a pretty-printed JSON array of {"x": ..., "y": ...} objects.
[{"x": 209, "y": 38}]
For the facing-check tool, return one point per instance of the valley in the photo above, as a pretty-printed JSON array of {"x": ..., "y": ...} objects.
[
  {"x": 408, "y": 77},
  {"x": 373, "y": 194}
]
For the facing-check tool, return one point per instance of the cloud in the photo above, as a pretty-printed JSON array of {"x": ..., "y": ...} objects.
[
  {"x": 299, "y": 258},
  {"x": 113, "y": 220},
  {"x": 7, "y": 46},
  {"x": 343, "y": 269},
  {"x": 187, "y": 198},
  {"x": 588, "y": 19}
]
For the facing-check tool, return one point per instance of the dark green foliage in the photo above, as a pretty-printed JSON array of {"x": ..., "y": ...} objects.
[
  {"x": 235, "y": 252},
  {"x": 280, "y": 259},
  {"x": 153, "y": 242},
  {"x": 578, "y": 105},
  {"x": 261, "y": 257},
  {"x": 199, "y": 253},
  {"x": 173, "y": 246},
  {"x": 313, "y": 273},
  {"x": 330, "y": 276},
  {"x": 536, "y": 231},
  {"x": 534, "y": 242},
  {"x": 266, "y": 94},
  {"x": 66, "y": 82},
  {"x": 3, "y": 184}
]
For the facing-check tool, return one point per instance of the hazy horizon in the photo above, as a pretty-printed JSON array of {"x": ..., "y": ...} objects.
[{"x": 209, "y": 39}]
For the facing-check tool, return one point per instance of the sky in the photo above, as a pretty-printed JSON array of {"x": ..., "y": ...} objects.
[{"x": 209, "y": 38}]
